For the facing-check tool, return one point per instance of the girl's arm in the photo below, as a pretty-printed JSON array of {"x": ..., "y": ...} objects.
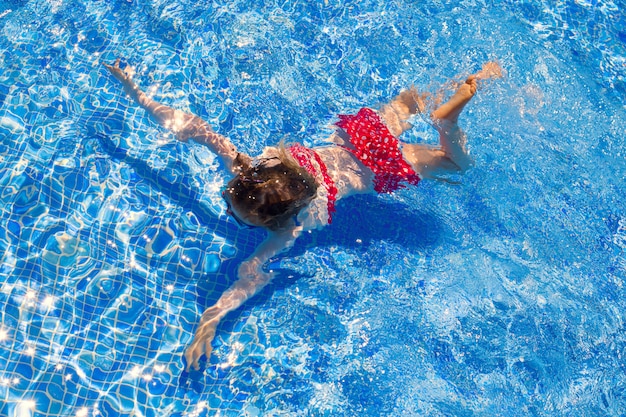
[
  {"x": 250, "y": 280},
  {"x": 184, "y": 125}
]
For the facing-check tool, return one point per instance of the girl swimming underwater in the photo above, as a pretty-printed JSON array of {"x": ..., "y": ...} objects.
[{"x": 291, "y": 189}]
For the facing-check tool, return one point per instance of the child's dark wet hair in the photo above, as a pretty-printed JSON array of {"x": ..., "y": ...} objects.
[{"x": 270, "y": 192}]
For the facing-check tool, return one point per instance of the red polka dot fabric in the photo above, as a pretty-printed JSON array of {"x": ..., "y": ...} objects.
[
  {"x": 305, "y": 157},
  {"x": 378, "y": 149}
]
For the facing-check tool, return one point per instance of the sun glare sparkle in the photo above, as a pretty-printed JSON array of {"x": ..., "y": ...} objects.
[
  {"x": 25, "y": 408},
  {"x": 83, "y": 412},
  {"x": 48, "y": 302}
]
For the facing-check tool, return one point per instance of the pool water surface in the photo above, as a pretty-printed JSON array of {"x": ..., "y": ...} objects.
[{"x": 502, "y": 295}]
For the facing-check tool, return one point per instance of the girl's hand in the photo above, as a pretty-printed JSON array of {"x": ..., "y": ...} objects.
[
  {"x": 122, "y": 75},
  {"x": 251, "y": 280}
]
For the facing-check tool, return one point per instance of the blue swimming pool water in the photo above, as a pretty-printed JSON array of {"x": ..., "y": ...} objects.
[{"x": 501, "y": 296}]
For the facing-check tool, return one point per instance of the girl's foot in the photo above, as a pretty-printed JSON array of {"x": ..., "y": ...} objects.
[
  {"x": 451, "y": 109},
  {"x": 489, "y": 70}
]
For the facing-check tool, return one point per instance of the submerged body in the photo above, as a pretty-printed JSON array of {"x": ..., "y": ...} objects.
[{"x": 351, "y": 165}]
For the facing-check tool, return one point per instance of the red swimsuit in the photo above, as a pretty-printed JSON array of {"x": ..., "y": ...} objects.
[
  {"x": 305, "y": 157},
  {"x": 373, "y": 144},
  {"x": 378, "y": 149}
]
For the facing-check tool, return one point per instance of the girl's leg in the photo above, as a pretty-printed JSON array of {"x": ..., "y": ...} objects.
[
  {"x": 451, "y": 156},
  {"x": 452, "y": 139},
  {"x": 397, "y": 112}
]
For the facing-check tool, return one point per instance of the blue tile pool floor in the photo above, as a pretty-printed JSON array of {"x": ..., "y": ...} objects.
[{"x": 500, "y": 296}]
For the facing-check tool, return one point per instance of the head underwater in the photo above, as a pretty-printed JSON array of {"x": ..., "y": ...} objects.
[{"x": 270, "y": 191}]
